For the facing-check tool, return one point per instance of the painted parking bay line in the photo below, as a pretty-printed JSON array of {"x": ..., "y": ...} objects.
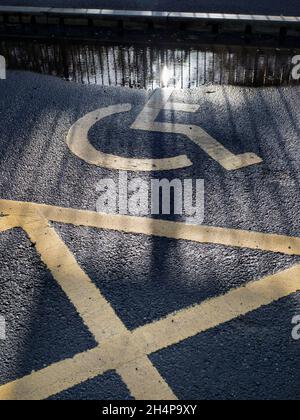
[
  {"x": 96, "y": 313},
  {"x": 117, "y": 353},
  {"x": 119, "y": 349},
  {"x": 141, "y": 225}
]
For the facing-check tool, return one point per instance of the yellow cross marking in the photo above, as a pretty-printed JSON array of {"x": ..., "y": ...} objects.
[{"x": 118, "y": 348}]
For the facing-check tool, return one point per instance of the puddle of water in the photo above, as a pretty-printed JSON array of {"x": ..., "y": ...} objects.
[{"x": 150, "y": 67}]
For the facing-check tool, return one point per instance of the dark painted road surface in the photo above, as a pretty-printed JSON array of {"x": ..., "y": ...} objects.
[
  {"x": 146, "y": 278},
  {"x": 275, "y": 7}
]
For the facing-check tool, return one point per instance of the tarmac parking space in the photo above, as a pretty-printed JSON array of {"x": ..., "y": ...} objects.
[{"x": 123, "y": 306}]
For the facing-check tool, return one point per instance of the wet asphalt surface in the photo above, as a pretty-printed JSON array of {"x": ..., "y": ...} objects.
[
  {"x": 251, "y": 357},
  {"x": 275, "y": 7}
]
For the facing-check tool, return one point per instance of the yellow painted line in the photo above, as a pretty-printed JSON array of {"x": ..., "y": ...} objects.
[
  {"x": 145, "y": 381},
  {"x": 65, "y": 374},
  {"x": 55, "y": 378},
  {"x": 146, "y": 121},
  {"x": 78, "y": 143},
  {"x": 122, "y": 350},
  {"x": 95, "y": 311},
  {"x": 6, "y": 223},
  {"x": 152, "y": 227},
  {"x": 118, "y": 353},
  {"x": 127, "y": 352},
  {"x": 217, "y": 311}
]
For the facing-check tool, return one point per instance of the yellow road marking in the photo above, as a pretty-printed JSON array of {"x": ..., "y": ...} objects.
[
  {"x": 142, "y": 225},
  {"x": 183, "y": 107},
  {"x": 6, "y": 223},
  {"x": 96, "y": 313},
  {"x": 77, "y": 141},
  {"x": 199, "y": 318},
  {"x": 143, "y": 379},
  {"x": 119, "y": 349},
  {"x": 93, "y": 308},
  {"x": 126, "y": 352},
  {"x": 117, "y": 353},
  {"x": 146, "y": 121}
]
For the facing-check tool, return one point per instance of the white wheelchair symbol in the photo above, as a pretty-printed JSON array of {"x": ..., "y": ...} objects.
[{"x": 77, "y": 139}]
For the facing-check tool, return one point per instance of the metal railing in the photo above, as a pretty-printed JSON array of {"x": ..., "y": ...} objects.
[{"x": 151, "y": 67}]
